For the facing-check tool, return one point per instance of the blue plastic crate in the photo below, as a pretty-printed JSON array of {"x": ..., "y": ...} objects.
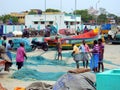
[{"x": 108, "y": 80}]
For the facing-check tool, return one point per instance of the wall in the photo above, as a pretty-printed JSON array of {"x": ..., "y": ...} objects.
[
  {"x": 11, "y": 28},
  {"x": 56, "y": 18}
]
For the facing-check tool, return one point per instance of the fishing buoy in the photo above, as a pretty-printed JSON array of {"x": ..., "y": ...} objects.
[{"x": 19, "y": 88}]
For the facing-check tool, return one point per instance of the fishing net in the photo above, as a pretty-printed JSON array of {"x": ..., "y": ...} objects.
[
  {"x": 31, "y": 74},
  {"x": 41, "y": 68},
  {"x": 25, "y": 41}
]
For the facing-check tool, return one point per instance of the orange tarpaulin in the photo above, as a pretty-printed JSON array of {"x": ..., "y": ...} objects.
[
  {"x": 89, "y": 34},
  {"x": 19, "y": 88}
]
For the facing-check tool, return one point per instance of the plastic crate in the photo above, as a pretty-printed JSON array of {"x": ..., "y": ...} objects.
[{"x": 108, "y": 80}]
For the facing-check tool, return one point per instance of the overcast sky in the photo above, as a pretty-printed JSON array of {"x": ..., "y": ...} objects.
[{"x": 7, "y": 6}]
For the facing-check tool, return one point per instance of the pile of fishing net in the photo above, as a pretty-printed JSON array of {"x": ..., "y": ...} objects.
[
  {"x": 25, "y": 41},
  {"x": 31, "y": 74}
]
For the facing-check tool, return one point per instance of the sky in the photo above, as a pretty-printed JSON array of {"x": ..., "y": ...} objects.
[{"x": 8, "y": 6}]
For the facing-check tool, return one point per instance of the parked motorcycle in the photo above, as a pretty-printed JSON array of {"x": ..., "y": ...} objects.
[
  {"x": 39, "y": 45},
  {"x": 25, "y": 34}
]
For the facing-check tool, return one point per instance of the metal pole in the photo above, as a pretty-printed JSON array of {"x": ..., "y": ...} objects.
[
  {"x": 61, "y": 13},
  {"x": 75, "y": 13},
  {"x": 45, "y": 12},
  {"x": 96, "y": 15},
  {"x": 97, "y": 12},
  {"x": 61, "y": 5}
]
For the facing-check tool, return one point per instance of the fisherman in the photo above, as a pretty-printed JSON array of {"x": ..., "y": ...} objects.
[
  {"x": 85, "y": 29},
  {"x": 95, "y": 56},
  {"x": 75, "y": 54},
  {"x": 4, "y": 40},
  {"x": 59, "y": 49},
  {"x": 78, "y": 30},
  {"x": 20, "y": 56},
  {"x": 101, "y": 55},
  {"x": 9, "y": 46},
  {"x": 84, "y": 48},
  {"x": 5, "y": 57}
]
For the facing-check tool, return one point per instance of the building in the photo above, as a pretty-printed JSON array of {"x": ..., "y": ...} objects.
[
  {"x": 58, "y": 20},
  {"x": 20, "y": 16}
]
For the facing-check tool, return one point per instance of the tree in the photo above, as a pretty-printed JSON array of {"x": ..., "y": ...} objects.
[
  {"x": 112, "y": 16},
  {"x": 9, "y": 19},
  {"x": 52, "y": 10},
  {"x": 102, "y": 18},
  {"x": 102, "y": 11},
  {"x": 14, "y": 20},
  {"x": 32, "y": 12},
  {"x": 84, "y": 15}
]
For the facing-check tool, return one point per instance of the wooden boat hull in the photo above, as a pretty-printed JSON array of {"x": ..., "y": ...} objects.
[
  {"x": 76, "y": 39},
  {"x": 69, "y": 42}
]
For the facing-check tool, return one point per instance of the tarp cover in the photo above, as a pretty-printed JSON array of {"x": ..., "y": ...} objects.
[
  {"x": 39, "y": 86},
  {"x": 72, "y": 81}
]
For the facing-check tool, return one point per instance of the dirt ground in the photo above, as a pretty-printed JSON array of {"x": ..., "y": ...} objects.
[{"x": 111, "y": 61}]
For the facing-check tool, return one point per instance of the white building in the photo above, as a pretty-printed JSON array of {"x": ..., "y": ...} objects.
[{"x": 58, "y": 20}]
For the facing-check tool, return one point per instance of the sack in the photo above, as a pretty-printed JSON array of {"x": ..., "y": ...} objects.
[{"x": 79, "y": 70}]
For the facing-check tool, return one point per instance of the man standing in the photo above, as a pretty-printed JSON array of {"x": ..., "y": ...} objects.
[
  {"x": 101, "y": 54},
  {"x": 20, "y": 56},
  {"x": 76, "y": 55},
  {"x": 59, "y": 49},
  {"x": 5, "y": 57},
  {"x": 9, "y": 46},
  {"x": 84, "y": 53}
]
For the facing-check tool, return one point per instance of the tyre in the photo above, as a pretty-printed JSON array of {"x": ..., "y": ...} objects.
[
  {"x": 45, "y": 48},
  {"x": 33, "y": 47}
]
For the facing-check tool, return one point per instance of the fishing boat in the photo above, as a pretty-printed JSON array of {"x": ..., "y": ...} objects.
[{"x": 67, "y": 41}]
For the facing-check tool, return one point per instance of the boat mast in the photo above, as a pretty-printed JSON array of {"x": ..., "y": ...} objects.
[
  {"x": 75, "y": 14},
  {"x": 61, "y": 12},
  {"x": 45, "y": 13}
]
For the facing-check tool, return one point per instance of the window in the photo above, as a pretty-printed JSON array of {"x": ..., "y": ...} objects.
[
  {"x": 35, "y": 22},
  {"x": 42, "y": 22},
  {"x": 51, "y": 22},
  {"x": 66, "y": 23},
  {"x": 78, "y": 22},
  {"x": 71, "y": 23}
]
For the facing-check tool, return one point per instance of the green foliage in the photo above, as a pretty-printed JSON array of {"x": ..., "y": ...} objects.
[
  {"x": 32, "y": 12},
  {"x": 111, "y": 16},
  {"x": 6, "y": 18},
  {"x": 102, "y": 18},
  {"x": 117, "y": 19},
  {"x": 15, "y": 20},
  {"x": 84, "y": 14},
  {"x": 52, "y": 10}
]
